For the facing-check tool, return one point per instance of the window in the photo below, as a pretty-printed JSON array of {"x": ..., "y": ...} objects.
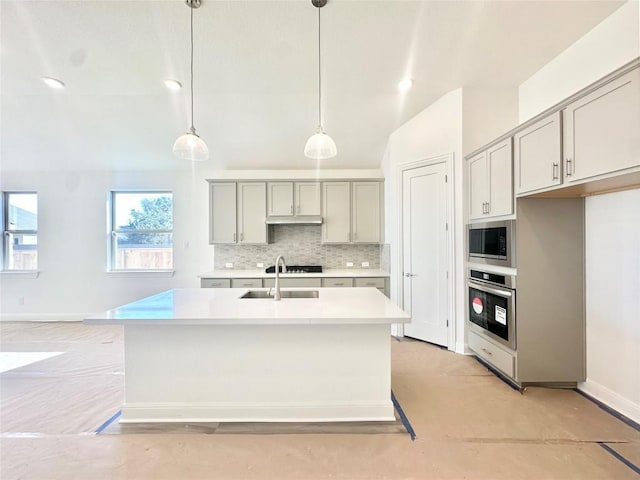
[
  {"x": 19, "y": 231},
  {"x": 141, "y": 231}
]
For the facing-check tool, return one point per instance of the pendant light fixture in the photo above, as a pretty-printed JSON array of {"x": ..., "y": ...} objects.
[
  {"x": 320, "y": 146},
  {"x": 190, "y": 146}
]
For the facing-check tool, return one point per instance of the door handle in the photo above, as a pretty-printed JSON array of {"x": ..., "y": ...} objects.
[{"x": 408, "y": 275}]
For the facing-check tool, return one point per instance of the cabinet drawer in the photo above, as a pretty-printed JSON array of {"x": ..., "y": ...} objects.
[
  {"x": 246, "y": 283},
  {"x": 293, "y": 282},
  {"x": 370, "y": 282},
  {"x": 337, "y": 282},
  {"x": 215, "y": 282},
  {"x": 494, "y": 355}
]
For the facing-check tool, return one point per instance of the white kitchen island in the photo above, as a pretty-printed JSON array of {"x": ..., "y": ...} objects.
[{"x": 207, "y": 355}]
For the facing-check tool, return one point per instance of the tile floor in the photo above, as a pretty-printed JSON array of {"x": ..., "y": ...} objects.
[{"x": 469, "y": 424}]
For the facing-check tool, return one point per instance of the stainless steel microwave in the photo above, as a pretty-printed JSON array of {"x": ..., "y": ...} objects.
[{"x": 492, "y": 243}]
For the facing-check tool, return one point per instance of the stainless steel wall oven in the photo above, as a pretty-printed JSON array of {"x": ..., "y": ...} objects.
[{"x": 492, "y": 306}]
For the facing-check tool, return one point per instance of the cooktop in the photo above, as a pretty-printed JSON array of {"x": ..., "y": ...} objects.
[{"x": 297, "y": 269}]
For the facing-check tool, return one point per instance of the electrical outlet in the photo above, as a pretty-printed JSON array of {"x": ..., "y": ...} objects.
[
  {"x": 228, "y": 265},
  {"x": 365, "y": 264},
  {"x": 260, "y": 265},
  {"x": 349, "y": 264}
]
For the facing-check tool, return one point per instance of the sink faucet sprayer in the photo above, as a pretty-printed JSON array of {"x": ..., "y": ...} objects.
[{"x": 284, "y": 269}]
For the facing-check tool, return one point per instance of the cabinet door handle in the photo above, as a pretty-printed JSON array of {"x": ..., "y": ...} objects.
[
  {"x": 355, "y": 236},
  {"x": 339, "y": 284},
  {"x": 555, "y": 171},
  {"x": 488, "y": 207},
  {"x": 486, "y": 351},
  {"x": 292, "y": 208},
  {"x": 298, "y": 209},
  {"x": 242, "y": 237},
  {"x": 568, "y": 172},
  {"x": 234, "y": 237}
]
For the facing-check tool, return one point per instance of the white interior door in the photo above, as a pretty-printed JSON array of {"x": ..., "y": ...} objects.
[{"x": 425, "y": 252}]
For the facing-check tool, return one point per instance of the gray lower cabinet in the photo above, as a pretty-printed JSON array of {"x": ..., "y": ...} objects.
[
  {"x": 337, "y": 282},
  {"x": 493, "y": 354},
  {"x": 293, "y": 282},
  {"x": 215, "y": 283},
  {"x": 246, "y": 283}
]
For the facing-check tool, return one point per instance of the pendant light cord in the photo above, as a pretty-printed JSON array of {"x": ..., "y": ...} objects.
[
  {"x": 192, "y": 127},
  {"x": 319, "y": 76}
]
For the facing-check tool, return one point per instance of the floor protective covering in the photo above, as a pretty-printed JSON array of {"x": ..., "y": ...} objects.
[{"x": 468, "y": 424}]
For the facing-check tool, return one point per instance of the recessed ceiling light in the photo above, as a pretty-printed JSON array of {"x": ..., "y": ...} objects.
[
  {"x": 53, "y": 82},
  {"x": 405, "y": 84},
  {"x": 173, "y": 84}
]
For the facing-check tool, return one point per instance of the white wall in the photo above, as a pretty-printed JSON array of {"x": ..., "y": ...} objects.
[
  {"x": 434, "y": 132},
  {"x": 72, "y": 248},
  {"x": 611, "y": 44},
  {"x": 613, "y": 305}
]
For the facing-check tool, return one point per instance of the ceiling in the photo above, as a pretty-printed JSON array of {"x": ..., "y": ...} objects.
[{"x": 255, "y": 74}]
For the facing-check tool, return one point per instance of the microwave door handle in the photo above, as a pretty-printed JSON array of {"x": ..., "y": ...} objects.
[{"x": 495, "y": 291}]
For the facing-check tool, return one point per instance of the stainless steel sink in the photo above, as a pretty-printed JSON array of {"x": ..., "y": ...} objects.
[{"x": 283, "y": 294}]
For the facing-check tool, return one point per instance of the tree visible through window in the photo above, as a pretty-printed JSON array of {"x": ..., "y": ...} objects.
[{"x": 142, "y": 232}]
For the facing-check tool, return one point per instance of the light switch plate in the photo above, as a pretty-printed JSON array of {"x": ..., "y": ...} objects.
[
  {"x": 365, "y": 264},
  {"x": 228, "y": 265},
  {"x": 349, "y": 264}
]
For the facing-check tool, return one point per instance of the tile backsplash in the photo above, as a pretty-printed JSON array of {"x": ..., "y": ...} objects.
[{"x": 300, "y": 245}]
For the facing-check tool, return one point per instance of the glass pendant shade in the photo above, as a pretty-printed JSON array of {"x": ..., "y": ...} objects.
[
  {"x": 320, "y": 146},
  {"x": 191, "y": 147}
]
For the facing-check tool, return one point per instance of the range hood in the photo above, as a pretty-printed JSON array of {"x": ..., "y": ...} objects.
[{"x": 297, "y": 220}]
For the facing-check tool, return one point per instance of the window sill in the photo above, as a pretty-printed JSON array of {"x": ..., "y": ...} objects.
[
  {"x": 19, "y": 273},
  {"x": 141, "y": 273}
]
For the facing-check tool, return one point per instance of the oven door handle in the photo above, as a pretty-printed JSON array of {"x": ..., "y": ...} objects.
[{"x": 484, "y": 288}]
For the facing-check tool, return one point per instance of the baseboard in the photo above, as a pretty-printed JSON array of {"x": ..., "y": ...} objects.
[
  {"x": 256, "y": 412},
  {"x": 611, "y": 399},
  {"x": 43, "y": 317}
]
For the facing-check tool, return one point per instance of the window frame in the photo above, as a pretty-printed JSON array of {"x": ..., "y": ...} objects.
[
  {"x": 6, "y": 232},
  {"x": 113, "y": 232}
]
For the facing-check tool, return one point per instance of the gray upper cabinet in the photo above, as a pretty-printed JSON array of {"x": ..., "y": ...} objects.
[
  {"x": 336, "y": 212},
  {"x": 366, "y": 212},
  {"x": 307, "y": 198},
  {"x": 490, "y": 182},
  {"x": 280, "y": 198},
  {"x": 222, "y": 212},
  {"x": 252, "y": 206},
  {"x": 538, "y": 155},
  {"x": 237, "y": 212},
  {"x": 602, "y": 130},
  {"x": 285, "y": 199}
]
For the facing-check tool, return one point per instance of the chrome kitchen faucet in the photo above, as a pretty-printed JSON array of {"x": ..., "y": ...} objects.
[{"x": 284, "y": 269}]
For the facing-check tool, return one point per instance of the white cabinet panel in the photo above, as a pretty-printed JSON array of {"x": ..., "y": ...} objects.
[
  {"x": 602, "y": 129},
  {"x": 366, "y": 212},
  {"x": 252, "y": 205},
  {"x": 336, "y": 210},
  {"x": 222, "y": 212},
  {"x": 538, "y": 155}
]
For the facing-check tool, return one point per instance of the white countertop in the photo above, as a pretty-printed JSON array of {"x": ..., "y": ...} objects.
[
  {"x": 223, "y": 306},
  {"x": 328, "y": 273}
]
